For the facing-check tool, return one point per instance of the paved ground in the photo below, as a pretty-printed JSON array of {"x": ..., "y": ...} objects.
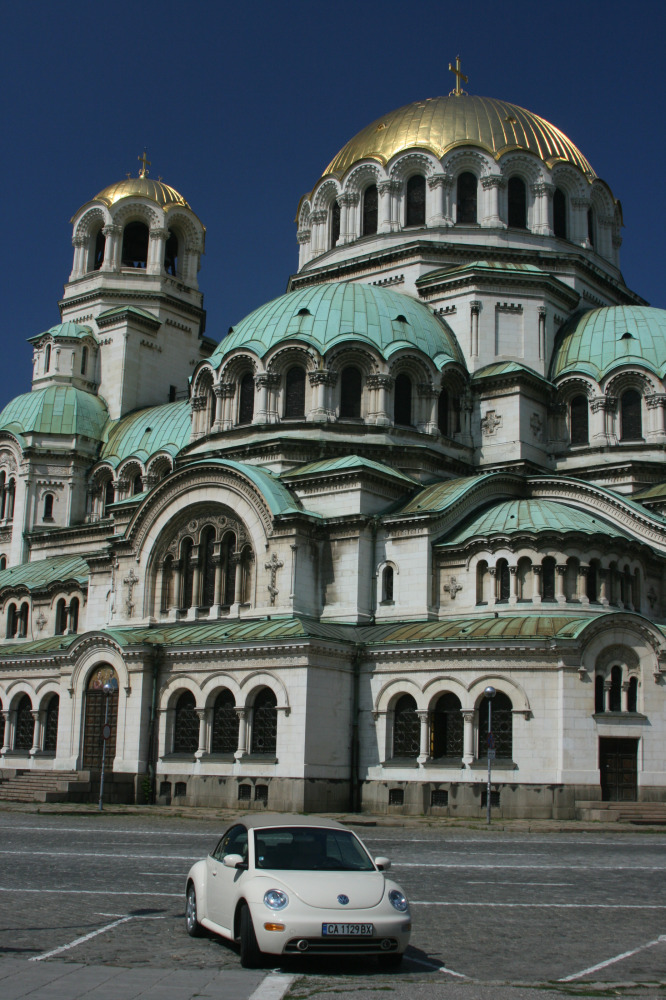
[{"x": 92, "y": 905}]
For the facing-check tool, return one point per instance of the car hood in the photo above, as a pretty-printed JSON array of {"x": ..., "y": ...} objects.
[{"x": 321, "y": 889}]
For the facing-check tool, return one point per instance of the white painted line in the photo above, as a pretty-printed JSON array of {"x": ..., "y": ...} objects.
[
  {"x": 92, "y": 892},
  {"x": 437, "y": 968},
  {"x": 80, "y": 940},
  {"x": 169, "y": 874},
  {"x": 111, "y": 833},
  {"x": 612, "y": 961},
  {"x": 517, "y": 885},
  {"x": 601, "y": 867},
  {"x": 273, "y": 987},
  {"x": 548, "y": 906},
  {"x": 191, "y": 858}
]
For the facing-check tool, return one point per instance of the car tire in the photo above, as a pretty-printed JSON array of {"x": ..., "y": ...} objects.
[
  {"x": 390, "y": 961},
  {"x": 250, "y": 955},
  {"x": 194, "y": 928}
]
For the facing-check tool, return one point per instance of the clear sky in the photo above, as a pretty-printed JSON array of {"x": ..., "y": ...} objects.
[{"x": 242, "y": 106}]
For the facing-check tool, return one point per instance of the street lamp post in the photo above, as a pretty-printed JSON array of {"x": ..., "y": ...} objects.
[
  {"x": 490, "y": 694},
  {"x": 109, "y": 687}
]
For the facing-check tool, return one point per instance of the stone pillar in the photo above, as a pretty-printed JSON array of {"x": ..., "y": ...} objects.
[
  {"x": 196, "y": 577},
  {"x": 428, "y": 396},
  {"x": 217, "y": 586},
  {"x": 491, "y": 201},
  {"x": 10, "y": 729},
  {"x": 602, "y": 576},
  {"x": 424, "y": 749},
  {"x": 542, "y": 333},
  {"x": 36, "y": 747},
  {"x": 348, "y": 228},
  {"x": 582, "y": 584},
  {"x": 440, "y": 200},
  {"x": 513, "y": 576},
  {"x": 303, "y": 237},
  {"x": 242, "y": 733},
  {"x": 579, "y": 208},
  {"x": 536, "y": 584},
  {"x": 203, "y": 732},
  {"x": 492, "y": 596},
  {"x": 321, "y": 382},
  {"x": 560, "y": 571},
  {"x": 475, "y": 308},
  {"x": 543, "y": 208},
  {"x": 468, "y": 736},
  {"x": 236, "y": 563},
  {"x": 387, "y": 192},
  {"x": 198, "y": 404},
  {"x": 177, "y": 582},
  {"x": 156, "y": 247},
  {"x": 80, "y": 264},
  {"x": 380, "y": 384},
  {"x": 318, "y": 221},
  {"x": 655, "y": 432},
  {"x": 602, "y": 410},
  {"x": 607, "y": 688},
  {"x": 112, "y": 247},
  {"x": 625, "y": 696}
]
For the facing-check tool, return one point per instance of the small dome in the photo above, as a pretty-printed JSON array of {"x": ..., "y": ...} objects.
[
  {"x": 65, "y": 331},
  {"x": 57, "y": 409},
  {"x": 442, "y": 123},
  {"x": 145, "y": 432},
  {"x": 326, "y": 315},
  {"x": 141, "y": 187},
  {"x": 599, "y": 340}
]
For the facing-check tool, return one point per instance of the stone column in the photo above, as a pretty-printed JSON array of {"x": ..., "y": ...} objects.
[
  {"x": 602, "y": 409},
  {"x": 602, "y": 576},
  {"x": 217, "y": 422},
  {"x": 236, "y": 563},
  {"x": 428, "y": 396},
  {"x": 321, "y": 382},
  {"x": 424, "y": 749},
  {"x": 513, "y": 576},
  {"x": 543, "y": 208},
  {"x": 387, "y": 192},
  {"x": 112, "y": 247},
  {"x": 582, "y": 584},
  {"x": 242, "y": 733},
  {"x": 491, "y": 201},
  {"x": 380, "y": 384},
  {"x": 655, "y": 432},
  {"x": 198, "y": 404},
  {"x": 492, "y": 596},
  {"x": 10, "y": 729},
  {"x": 156, "y": 247},
  {"x": 36, "y": 747},
  {"x": 80, "y": 264},
  {"x": 440, "y": 200},
  {"x": 196, "y": 577},
  {"x": 177, "y": 578},
  {"x": 625, "y": 696},
  {"x": 607, "y": 688},
  {"x": 318, "y": 220},
  {"x": 536, "y": 584},
  {"x": 202, "y": 749},
  {"x": 217, "y": 586},
  {"x": 468, "y": 735},
  {"x": 560, "y": 571},
  {"x": 579, "y": 208},
  {"x": 348, "y": 229},
  {"x": 303, "y": 237},
  {"x": 475, "y": 308}
]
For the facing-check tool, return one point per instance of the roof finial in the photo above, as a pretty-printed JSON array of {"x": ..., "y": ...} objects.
[
  {"x": 145, "y": 163},
  {"x": 459, "y": 76}
]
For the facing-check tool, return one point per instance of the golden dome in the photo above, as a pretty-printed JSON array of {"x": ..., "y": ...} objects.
[
  {"x": 442, "y": 123},
  {"x": 143, "y": 187}
]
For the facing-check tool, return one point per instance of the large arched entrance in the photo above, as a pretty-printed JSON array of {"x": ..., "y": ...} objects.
[{"x": 95, "y": 715}]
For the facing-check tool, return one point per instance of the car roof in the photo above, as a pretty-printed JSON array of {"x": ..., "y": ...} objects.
[{"x": 284, "y": 819}]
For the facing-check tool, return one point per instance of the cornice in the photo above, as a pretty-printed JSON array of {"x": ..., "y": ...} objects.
[{"x": 127, "y": 296}]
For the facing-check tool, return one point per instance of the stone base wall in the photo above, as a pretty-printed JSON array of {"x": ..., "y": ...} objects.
[{"x": 253, "y": 793}]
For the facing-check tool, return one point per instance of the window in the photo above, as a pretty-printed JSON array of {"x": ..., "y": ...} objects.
[
  {"x": 415, "y": 201},
  {"x": 524, "y": 579},
  {"x": 23, "y": 620},
  {"x": 74, "y": 615},
  {"x": 351, "y": 384},
  {"x": 402, "y": 400},
  {"x": 109, "y": 496},
  {"x": 229, "y": 568},
  {"x": 264, "y": 723},
  {"x": 517, "y": 203},
  {"x": 12, "y": 621},
  {"x": 61, "y": 617},
  {"x": 246, "y": 401},
  {"x": 135, "y": 245},
  {"x": 51, "y": 725},
  {"x": 466, "y": 199},
  {"x": 186, "y": 725},
  {"x": 207, "y": 554},
  {"x": 548, "y": 579},
  {"x": 443, "y": 413},
  {"x": 502, "y": 582},
  {"x": 47, "y": 514},
  {"x": 387, "y": 585},
  {"x": 632, "y": 695},
  {"x": 294, "y": 393},
  {"x": 579, "y": 420},
  {"x": 137, "y": 484},
  {"x": 482, "y": 582},
  {"x": 369, "y": 217},
  {"x": 3, "y": 562},
  {"x": 47, "y": 358},
  {"x": 502, "y": 726},
  {"x": 590, "y": 226},
  {"x": 168, "y": 595},
  {"x": 225, "y": 724},
  {"x": 187, "y": 564},
  {"x": 406, "y": 728},
  {"x": 25, "y": 725},
  {"x": 446, "y": 727},
  {"x": 335, "y": 224},
  {"x": 396, "y": 797},
  {"x": 598, "y": 694},
  {"x": 100, "y": 244},
  {"x": 560, "y": 213},
  {"x": 84, "y": 359},
  {"x": 592, "y": 581},
  {"x": 171, "y": 255},
  {"x": 631, "y": 423}
]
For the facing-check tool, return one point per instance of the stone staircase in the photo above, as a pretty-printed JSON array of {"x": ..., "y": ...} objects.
[
  {"x": 638, "y": 813},
  {"x": 44, "y": 786}
]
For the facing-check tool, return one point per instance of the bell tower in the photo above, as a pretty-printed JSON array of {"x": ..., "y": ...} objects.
[{"x": 137, "y": 252}]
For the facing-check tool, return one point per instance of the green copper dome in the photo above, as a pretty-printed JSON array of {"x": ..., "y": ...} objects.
[
  {"x": 325, "y": 315},
  {"x": 600, "y": 340},
  {"x": 58, "y": 409},
  {"x": 145, "y": 432},
  {"x": 65, "y": 331}
]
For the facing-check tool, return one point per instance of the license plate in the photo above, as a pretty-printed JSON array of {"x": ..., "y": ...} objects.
[{"x": 347, "y": 930}]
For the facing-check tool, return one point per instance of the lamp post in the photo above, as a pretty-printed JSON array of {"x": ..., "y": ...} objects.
[
  {"x": 490, "y": 694},
  {"x": 109, "y": 687}
]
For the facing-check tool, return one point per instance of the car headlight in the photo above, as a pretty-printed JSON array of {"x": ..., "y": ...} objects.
[
  {"x": 397, "y": 899},
  {"x": 275, "y": 899}
]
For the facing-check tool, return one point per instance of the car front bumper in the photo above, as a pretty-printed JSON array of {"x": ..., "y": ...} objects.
[{"x": 302, "y": 933}]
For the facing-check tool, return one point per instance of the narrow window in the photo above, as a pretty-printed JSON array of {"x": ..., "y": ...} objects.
[
  {"x": 369, "y": 222},
  {"x": 632, "y": 695},
  {"x": 402, "y": 400},
  {"x": 482, "y": 578},
  {"x": 48, "y": 507},
  {"x": 73, "y": 616},
  {"x": 167, "y": 585},
  {"x": 579, "y": 420},
  {"x": 387, "y": 584},
  {"x": 502, "y": 581},
  {"x": 246, "y": 402},
  {"x": 560, "y": 213},
  {"x": 224, "y": 737},
  {"x": 51, "y": 725},
  {"x": 335, "y": 224},
  {"x": 548, "y": 579},
  {"x": 294, "y": 385},
  {"x": 84, "y": 359},
  {"x": 3, "y": 562},
  {"x": 517, "y": 203},
  {"x": 406, "y": 728},
  {"x": 501, "y": 726},
  {"x": 23, "y": 620},
  {"x": 443, "y": 413},
  {"x": 446, "y": 727},
  {"x": 100, "y": 244},
  {"x": 631, "y": 423},
  {"x": 186, "y": 725},
  {"x": 135, "y": 245},
  {"x": 598, "y": 694},
  {"x": 466, "y": 199},
  {"x": 416, "y": 196},
  {"x": 229, "y": 568},
  {"x": 109, "y": 496},
  {"x": 207, "y": 548},
  {"x": 351, "y": 382},
  {"x": 592, "y": 582},
  {"x": 171, "y": 255},
  {"x": 264, "y": 723},
  {"x": 187, "y": 572},
  {"x": 25, "y": 725},
  {"x": 47, "y": 358},
  {"x": 61, "y": 617},
  {"x": 12, "y": 621},
  {"x": 615, "y": 693},
  {"x": 590, "y": 226}
]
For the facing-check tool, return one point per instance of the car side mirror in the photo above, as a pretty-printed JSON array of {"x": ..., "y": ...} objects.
[
  {"x": 383, "y": 864},
  {"x": 234, "y": 861}
]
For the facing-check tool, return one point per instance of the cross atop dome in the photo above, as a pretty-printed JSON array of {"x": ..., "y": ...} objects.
[
  {"x": 458, "y": 92},
  {"x": 145, "y": 162}
]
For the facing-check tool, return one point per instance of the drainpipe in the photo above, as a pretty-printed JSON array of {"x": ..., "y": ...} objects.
[
  {"x": 354, "y": 780},
  {"x": 151, "y": 766}
]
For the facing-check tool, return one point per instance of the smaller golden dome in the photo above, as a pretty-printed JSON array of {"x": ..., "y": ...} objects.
[{"x": 141, "y": 187}]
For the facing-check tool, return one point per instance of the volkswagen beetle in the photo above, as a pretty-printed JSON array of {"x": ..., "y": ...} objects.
[{"x": 297, "y": 885}]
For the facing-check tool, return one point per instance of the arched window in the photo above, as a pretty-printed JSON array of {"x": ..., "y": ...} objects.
[
  {"x": 415, "y": 201},
  {"x": 370, "y": 203},
  {"x": 402, "y": 400},
  {"x": 517, "y": 195},
  {"x": 11, "y": 493},
  {"x": 137, "y": 484},
  {"x": 571, "y": 580},
  {"x": 482, "y": 582},
  {"x": 84, "y": 359},
  {"x": 185, "y": 725},
  {"x": 23, "y": 616},
  {"x": 525, "y": 585},
  {"x": 246, "y": 400},
  {"x": 135, "y": 245},
  {"x": 171, "y": 255},
  {"x": 548, "y": 579},
  {"x": 466, "y": 199},
  {"x": 100, "y": 245},
  {"x": 502, "y": 726},
  {"x": 264, "y": 723},
  {"x": 47, "y": 358},
  {"x": 167, "y": 596},
  {"x": 446, "y": 727},
  {"x": 187, "y": 570},
  {"x": 109, "y": 496},
  {"x": 335, "y": 224},
  {"x": 631, "y": 422},
  {"x": 502, "y": 582},
  {"x": 207, "y": 550},
  {"x": 3, "y": 562},
  {"x": 579, "y": 420},
  {"x": 47, "y": 514},
  {"x": 387, "y": 585},
  {"x": 3, "y": 496},
  {"x": 598, "y": 694},
  {"x": 351, "y": 385},
  {"x": 51, "y": 725},
  {"x": 294, "y": 393},
  {"x": 12, "y": 621},
  {"x": 632, "y": 695},
  {"x": 560, "y": 213},
  {"x": 61, "y": 617},
  {"x": 245, "y": 569},
  {"x": 590, "y": 226},
  {"x": 615, "y": 693},
  {"x": 25, "y": 725},
  {"x": 443, "y": 413},
  {"x": 406, "y": 728},
  {"x": 224, "y": 737},
  {"x": 74, "y": 615}
]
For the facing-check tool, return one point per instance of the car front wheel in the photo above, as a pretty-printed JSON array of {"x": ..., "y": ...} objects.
[
  {"x": 250, "y": 955},
  {"x": 194, "y": 928}
]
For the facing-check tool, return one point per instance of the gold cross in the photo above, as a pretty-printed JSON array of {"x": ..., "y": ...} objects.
[
  {"x": 459, "y": 76},
  {"x": 145, "y": 163}
]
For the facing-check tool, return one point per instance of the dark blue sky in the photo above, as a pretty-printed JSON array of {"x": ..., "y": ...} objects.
[{"x": 241, "y": 107}]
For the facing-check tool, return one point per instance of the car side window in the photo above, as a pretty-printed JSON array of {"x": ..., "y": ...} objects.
[{"x": 234, "y": 841}]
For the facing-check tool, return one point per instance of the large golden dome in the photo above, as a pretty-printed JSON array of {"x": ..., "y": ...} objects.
[
  {"x": 143, "y": 187},
  {"x": 442, "y": 123}
]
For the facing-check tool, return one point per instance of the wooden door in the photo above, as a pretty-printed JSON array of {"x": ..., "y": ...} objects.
[
  {"x": 618, "y": 769},
  {"x": 96, "y": 705}
]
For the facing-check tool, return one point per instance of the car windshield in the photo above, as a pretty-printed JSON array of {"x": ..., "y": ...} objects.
[{"x": 310, "y": 849}]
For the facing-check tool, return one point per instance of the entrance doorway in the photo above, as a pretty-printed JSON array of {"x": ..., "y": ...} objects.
[
  {"x": 95, "y": 712},
  {"x": 618, "y": 769}
]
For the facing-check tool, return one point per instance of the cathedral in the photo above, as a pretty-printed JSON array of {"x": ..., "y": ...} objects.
[{"x": 287, "y": 566}]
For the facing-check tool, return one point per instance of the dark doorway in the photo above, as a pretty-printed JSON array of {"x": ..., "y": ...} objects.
[
  {"x": 95, "y": 715},
  {"x": 618, "y": 769}
]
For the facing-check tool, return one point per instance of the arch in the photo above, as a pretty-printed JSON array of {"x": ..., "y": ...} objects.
[
  {"x": 406, "y": 728},
  {"x": 135, "y": 245},
  {"x": 264, "y": 722},
  {"x": 185, "y": 725},
  {"x": 294, "y": 393},
  {"x": 387, "y": 585},
  {"x": 579, "y": 420},
  {"x": 446, "y": 727},
  {"x": 351, "y": 391},
  {"x": 517, "y": 202},
  {"x": 99, "y": 709},
  {"x": 466, "y": 198},
  {"x": 225, "y": 722},
  {"x": 501, "y": 723},
  {"x": 369, "y": 211},
  {"x": 631, "y": 417},
  {"x": 415, "y": 200},
  {"x": 402, "y": 400}
]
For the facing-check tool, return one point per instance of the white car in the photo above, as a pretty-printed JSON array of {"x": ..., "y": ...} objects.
[{"x": 297, "y": 885}]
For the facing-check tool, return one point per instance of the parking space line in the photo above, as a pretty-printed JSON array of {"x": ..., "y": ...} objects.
[
  {"x": 575, "y": 868},
  {"x": 104, "y": 854},
  {"x": 79, "y": 940},
  {"x": 437, "y": 968},
  {"x": 273, "y": 987},
  {"x": 611, "y": 961},
  {"x": 546, "y": 906},
  {"x": 92, "y": 892}
]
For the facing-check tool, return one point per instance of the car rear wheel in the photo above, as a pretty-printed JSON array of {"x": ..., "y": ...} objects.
[
  {"x": 194, "y": 928},
  {"x": 250, "y": 955}
]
